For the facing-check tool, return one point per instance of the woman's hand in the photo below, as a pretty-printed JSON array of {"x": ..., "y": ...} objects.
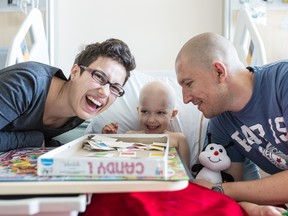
[{"x": 43, "y": 145}]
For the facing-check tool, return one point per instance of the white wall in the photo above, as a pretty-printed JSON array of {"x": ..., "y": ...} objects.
[{"x": 155, "y": 30}]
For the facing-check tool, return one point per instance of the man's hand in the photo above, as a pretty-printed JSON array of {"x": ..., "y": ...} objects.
[{"x": 261, "y": 210}]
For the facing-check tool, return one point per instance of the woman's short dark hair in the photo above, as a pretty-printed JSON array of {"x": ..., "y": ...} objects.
[{"x": 112, "y": 48}]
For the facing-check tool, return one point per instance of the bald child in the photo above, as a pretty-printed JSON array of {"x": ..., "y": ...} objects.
[{"x": 156, "y": 110}]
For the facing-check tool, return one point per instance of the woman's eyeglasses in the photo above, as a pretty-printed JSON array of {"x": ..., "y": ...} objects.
[{"x": 102, "y": 79}]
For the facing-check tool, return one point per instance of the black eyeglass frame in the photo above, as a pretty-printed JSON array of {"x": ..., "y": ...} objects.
[{"x": 115, "y": 88}]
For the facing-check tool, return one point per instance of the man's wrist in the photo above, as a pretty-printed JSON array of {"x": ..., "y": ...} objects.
[{"x": 218, "y": 188}]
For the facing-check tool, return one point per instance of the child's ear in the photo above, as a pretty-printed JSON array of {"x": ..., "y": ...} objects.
[
  {"x": 174, "y": 113},
  {"x": 137, "y": 109}
]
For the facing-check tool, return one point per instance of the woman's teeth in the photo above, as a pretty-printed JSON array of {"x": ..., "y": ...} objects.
[{"x": 97, "y": 103}]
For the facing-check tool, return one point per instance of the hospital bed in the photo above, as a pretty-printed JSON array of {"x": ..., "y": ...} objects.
[
  {"x": 248, "y": 41},
  {"x": 29, "y": 43}
]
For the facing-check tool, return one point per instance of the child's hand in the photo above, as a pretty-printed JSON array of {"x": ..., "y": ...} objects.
[{"x": 111, "y": 128}]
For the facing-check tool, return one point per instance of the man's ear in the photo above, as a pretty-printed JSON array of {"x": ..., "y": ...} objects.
[{"x": 220, "y": 71}]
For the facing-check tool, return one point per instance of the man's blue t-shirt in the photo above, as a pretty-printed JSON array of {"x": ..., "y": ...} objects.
[{"x": 259, "y": 130}]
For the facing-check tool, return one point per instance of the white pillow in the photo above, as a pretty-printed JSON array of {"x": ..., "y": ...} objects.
[{"x": 189, "y": 120}]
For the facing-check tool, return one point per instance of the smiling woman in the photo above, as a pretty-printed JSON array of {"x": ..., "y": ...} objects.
[
  {"x": 98, "y": 96},
  {"x": 39, "y": 103}
]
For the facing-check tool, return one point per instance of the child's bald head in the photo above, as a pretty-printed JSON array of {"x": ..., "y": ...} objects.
[{"x": 159, "y": 91}]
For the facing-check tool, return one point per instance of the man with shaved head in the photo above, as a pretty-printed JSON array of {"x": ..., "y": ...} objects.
[{"x": 247, "y": 106}]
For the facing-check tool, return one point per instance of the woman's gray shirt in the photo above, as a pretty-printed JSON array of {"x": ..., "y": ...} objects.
[{"x": 23, "y": 92}]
